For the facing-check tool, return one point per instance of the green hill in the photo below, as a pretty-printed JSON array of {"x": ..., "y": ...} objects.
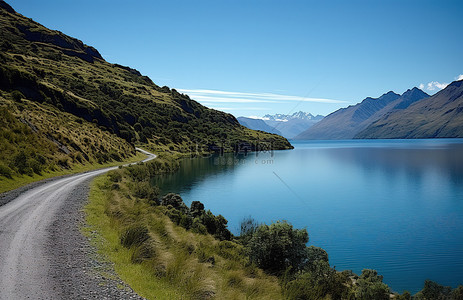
[{"x": 83, "y": 109}]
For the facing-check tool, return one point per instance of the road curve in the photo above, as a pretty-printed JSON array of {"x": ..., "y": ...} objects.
[{"x": 26, "y": 224}]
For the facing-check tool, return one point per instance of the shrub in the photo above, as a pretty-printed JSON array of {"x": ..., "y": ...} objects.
[
  {"x": 145, "y": 190},
  {"x": 198, "y": 227},
  {"x": 35, "y": 166},
  {"x": 371, "y": 286},
  {"x": 5, "y": 171},
  {"x": 278, "y": 246},
  {"x": 322, "y": 282},
  {"x": 176, "y": 201},
  {"x": 20, "y": 162},
  {"x": 315, "y": 254},
  {"x": 196, "y": 209},
  {"x": 115, "y": 176}
]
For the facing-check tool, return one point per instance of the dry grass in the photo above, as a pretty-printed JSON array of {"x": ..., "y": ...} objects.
[{"x": 183, "y": 265}]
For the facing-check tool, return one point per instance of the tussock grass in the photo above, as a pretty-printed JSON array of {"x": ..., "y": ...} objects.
[
  {"x": 38, "y": 142},
  {"x": 161, "y": 260}
]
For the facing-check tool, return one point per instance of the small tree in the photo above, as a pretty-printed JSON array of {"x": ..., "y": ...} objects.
[
  {"x": 371, "y": 286},
  {"x": 278, "y": 246},
  {"x": 176, "y": 201},
  {"x": 196, "y": 209},
  {"x": 315, "y": 254}
]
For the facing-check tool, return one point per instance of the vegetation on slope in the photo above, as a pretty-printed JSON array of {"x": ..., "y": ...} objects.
[
  {"x": 38, "y": 141},
  {"x": 65, "y": 107},
  {"x": 154, "y": 251},
  {"x": 47, "y": 66}
]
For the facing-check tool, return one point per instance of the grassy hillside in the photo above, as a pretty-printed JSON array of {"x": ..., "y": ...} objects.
[
  {"x": 48, "y": 67},
  {"x": 38, "y": 141},
  {"x": 64, "y": 107}
]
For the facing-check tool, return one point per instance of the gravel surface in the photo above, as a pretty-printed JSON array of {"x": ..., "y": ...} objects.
[
  {"x": 43, "y": 254},
  {"x": 78, "y": 272},
  {"x": 10, "y": 195}
]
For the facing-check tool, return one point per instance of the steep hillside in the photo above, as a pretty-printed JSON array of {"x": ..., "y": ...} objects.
[
  {"x": 346, "y": 123},
  {"x": 439, "y": 116},
  {"x": 257, "y": 124},
  {"x": 50, "y": 68}
]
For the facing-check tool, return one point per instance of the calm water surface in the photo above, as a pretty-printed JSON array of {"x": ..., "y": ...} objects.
[{"x": 391, "y": 205}]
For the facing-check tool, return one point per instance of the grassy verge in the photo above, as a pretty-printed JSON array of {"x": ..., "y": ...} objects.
[
  {"x": 158, "y": 258},
  {"x": 7, "y": 184}
]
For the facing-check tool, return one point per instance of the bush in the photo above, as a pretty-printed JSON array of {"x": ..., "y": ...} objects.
[
  {"x": 115, "y": 176},
  {"x": 198, "y": 227},
  {"x": 144, "y": 190},
  {"x": 176, "y": 201},
  {"x": 457, "y": 294},
  {"x": 322, "y": 282},
  {"x": 370, "y": 286},
  {"x": 36, "y": 166},
  {"x": 5, "y": 171},
  {"x": 196, "y": 209},
  {"x": 277, "y": 247},
  {"x": 315, "y": 254}
]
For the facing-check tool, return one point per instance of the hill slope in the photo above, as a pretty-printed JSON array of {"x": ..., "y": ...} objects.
[
  {"x": 438, "y": 116},
  {"x": 346, "y": 123},
  {"x": 49, "y": 67}
]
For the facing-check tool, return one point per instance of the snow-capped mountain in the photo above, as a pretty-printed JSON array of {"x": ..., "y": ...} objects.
[{"x": 297, "y": 115}]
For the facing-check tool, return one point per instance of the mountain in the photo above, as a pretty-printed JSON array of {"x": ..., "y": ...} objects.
[
  {"x": 291, "y": 125},
  {"x": 439, "y": 116},
  {"x": 346, "y": 123},
  {"x": 48, "y": 78},
  {"x": 300, "y": 115},
  {"x": 257, "y": 124}
]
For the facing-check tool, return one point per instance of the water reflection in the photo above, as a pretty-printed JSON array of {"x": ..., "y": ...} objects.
[{"x": 193, "y": 171}]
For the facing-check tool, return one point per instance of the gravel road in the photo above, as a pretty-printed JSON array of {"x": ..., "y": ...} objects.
[{"x": 43, "y": 254}]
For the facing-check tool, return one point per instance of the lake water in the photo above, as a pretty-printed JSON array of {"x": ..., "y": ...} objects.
[{"x": 395, "y": 206}]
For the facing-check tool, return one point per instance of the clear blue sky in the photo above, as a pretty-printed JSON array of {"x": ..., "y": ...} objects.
[{"x": 256, "y": 57}]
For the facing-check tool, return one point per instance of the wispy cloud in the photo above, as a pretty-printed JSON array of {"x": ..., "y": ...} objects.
[
  {"x": 436, "y": 85},
  {"x": 215, "y": 96},
  {"x": 239, "y": 108}
]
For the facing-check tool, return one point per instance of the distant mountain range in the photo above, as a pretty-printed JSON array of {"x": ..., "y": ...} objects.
[
  {"x": 300, "y": 115},
  {"x": 288, "y": 126},
  {"x": 347, "y": 123},
  {"x": 439, "y": 116}
]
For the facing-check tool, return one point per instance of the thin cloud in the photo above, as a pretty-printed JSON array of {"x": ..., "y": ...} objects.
[
  {"x": 436, "y": 85},
  {"x": 212, "y": 99},
  {"x": 239, "y": 108},
  {"x": 433, "y": 86},
  {"x": 212, "y": 96}
]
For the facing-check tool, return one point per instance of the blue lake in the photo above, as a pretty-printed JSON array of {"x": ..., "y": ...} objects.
[{"x": 395, "y": 206}]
